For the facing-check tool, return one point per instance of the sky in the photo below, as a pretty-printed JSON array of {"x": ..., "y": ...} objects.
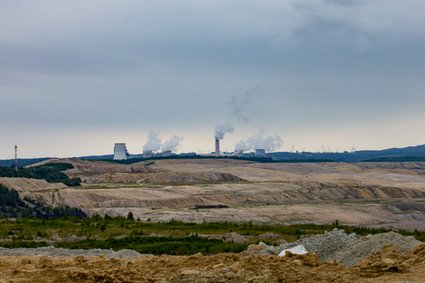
[{"x": 78, "y": 76}]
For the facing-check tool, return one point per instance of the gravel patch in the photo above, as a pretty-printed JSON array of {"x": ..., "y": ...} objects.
[
  {"x": 59, "y": 252},
  {"x": 355, "y": 253},
  {"x": 346, "y": 249}
]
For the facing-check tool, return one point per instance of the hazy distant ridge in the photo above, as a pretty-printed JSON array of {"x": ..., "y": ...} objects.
[{"x": 410, "y": 153}]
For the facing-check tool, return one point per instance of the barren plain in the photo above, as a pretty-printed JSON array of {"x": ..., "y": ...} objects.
[{"x": 210, "y": 190}]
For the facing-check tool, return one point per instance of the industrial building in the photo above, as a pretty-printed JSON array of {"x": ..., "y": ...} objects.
[
  {"x": 147, "y": 154},
  {"x": 167, "y": 153},
  {"x": 260, "y": 153},
  {"x": 120, "y": 151}
]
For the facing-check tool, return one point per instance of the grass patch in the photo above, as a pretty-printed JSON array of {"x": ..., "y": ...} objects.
[
  {"x": 160, "y": 245},
  {"x": 176, "y": 238}
]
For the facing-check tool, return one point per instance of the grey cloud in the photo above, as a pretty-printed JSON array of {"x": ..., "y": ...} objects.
[
  {"x": 241, "y": 106},
  {"x": 155, "y": 64}
]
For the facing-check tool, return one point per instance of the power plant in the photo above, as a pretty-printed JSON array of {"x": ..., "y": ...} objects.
[
  {"x": 120, "y": 151},
  {"x": 259, "y": 152},
  {"x": 148, "y": 154},
  {"x": 258, "y": 146}
]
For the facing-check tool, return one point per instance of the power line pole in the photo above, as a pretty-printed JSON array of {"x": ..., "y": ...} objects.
[{"x": 16, "y": 158}]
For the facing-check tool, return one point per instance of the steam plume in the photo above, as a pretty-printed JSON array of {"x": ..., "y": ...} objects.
[
  {"x": 242, "y": 105},
  {"x": 269, "y": 143},
  {"x": 153, "y": 143},
  {"x": 172, "y": 143},
  {"x": 222, "y": 129}
]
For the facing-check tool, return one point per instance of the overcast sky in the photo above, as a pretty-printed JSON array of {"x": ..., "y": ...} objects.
[{"x": 78, "y": 76}]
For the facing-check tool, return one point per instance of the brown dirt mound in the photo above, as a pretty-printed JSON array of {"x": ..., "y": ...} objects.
[
  {"x": 388, "y": 265},
  {"x": 391, "y": 260}
]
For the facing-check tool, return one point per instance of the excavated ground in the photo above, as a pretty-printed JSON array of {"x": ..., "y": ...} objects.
[
  {"x": 388, "y": 265},
  {"x": 368, "y": 194}
]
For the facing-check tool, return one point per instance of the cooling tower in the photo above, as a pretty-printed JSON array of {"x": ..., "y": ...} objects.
[
  {"x": 120, "y": 151},
  {"x": 217, "y": 146}
]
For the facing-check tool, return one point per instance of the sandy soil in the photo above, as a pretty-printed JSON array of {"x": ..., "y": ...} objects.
[
  {"x": 370, "y": 194},
  {"x": 387, "y": 266}
]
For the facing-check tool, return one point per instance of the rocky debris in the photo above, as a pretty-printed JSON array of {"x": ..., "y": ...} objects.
[
  {"x": 269, "y": 236},
  {"x": 233, "y": 237},
  {"x": 59, "y": 252},
  {"x": 388, "y": 265},
  {"x": 260, "y": 249},
  {"x": 346, "y": 249},
  {"x": 324, "y": 245},
  {"x": 370, "y": 245}
]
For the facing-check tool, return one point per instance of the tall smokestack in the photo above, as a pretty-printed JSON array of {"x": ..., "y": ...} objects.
[
  {"x": 15, "y": 164},
  {"x": 217, "y": 146}
]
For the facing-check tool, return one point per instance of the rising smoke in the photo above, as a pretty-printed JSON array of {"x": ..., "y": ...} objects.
[
  {"x": 222, "y": 129},
  {"x": 172, "y": 144},
  {"x": 153, "y": 143},
  {"x": 269, "y": 143},
  {"x": 242, "y": 105}
]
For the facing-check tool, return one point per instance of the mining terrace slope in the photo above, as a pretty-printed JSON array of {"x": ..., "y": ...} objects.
[{"x": 356, "y": 193}]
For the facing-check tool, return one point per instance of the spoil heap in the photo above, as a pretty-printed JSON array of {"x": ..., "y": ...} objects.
[{"x": 346, "y": 249}]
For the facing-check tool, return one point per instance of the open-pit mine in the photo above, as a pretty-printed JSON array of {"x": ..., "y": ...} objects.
[{"x": 218, "y": 190}]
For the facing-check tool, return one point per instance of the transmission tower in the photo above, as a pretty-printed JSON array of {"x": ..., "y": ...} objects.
[{"x": 16, "y": 159}]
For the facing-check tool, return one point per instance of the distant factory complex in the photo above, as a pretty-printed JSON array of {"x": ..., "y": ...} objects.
[{"x": 121, "y": 153}]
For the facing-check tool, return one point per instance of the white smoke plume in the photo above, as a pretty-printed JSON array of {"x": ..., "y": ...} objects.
[
  {"x": 242, "y": 109},
  {"x": 172, "y": 144},
  {"x": 242, "y": 106},
  {"x": 269, "y": 143},
  {"x": 153, "y": 143},
  {"x": 222, "y": 129}
]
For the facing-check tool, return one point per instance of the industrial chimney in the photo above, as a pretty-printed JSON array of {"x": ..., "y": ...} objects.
[{"x": 217, "y": 146}]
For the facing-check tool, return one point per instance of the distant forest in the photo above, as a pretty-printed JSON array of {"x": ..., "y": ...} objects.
[
  {"x": 21, "y": 162},
  {"x": 51, "y": 172},
  {"x": 12, "y": 206}
]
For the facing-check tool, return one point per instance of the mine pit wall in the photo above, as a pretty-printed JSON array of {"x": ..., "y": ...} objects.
[
  {"x": 246, "y": 201},
  {"x": 175, "y": 197}
]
